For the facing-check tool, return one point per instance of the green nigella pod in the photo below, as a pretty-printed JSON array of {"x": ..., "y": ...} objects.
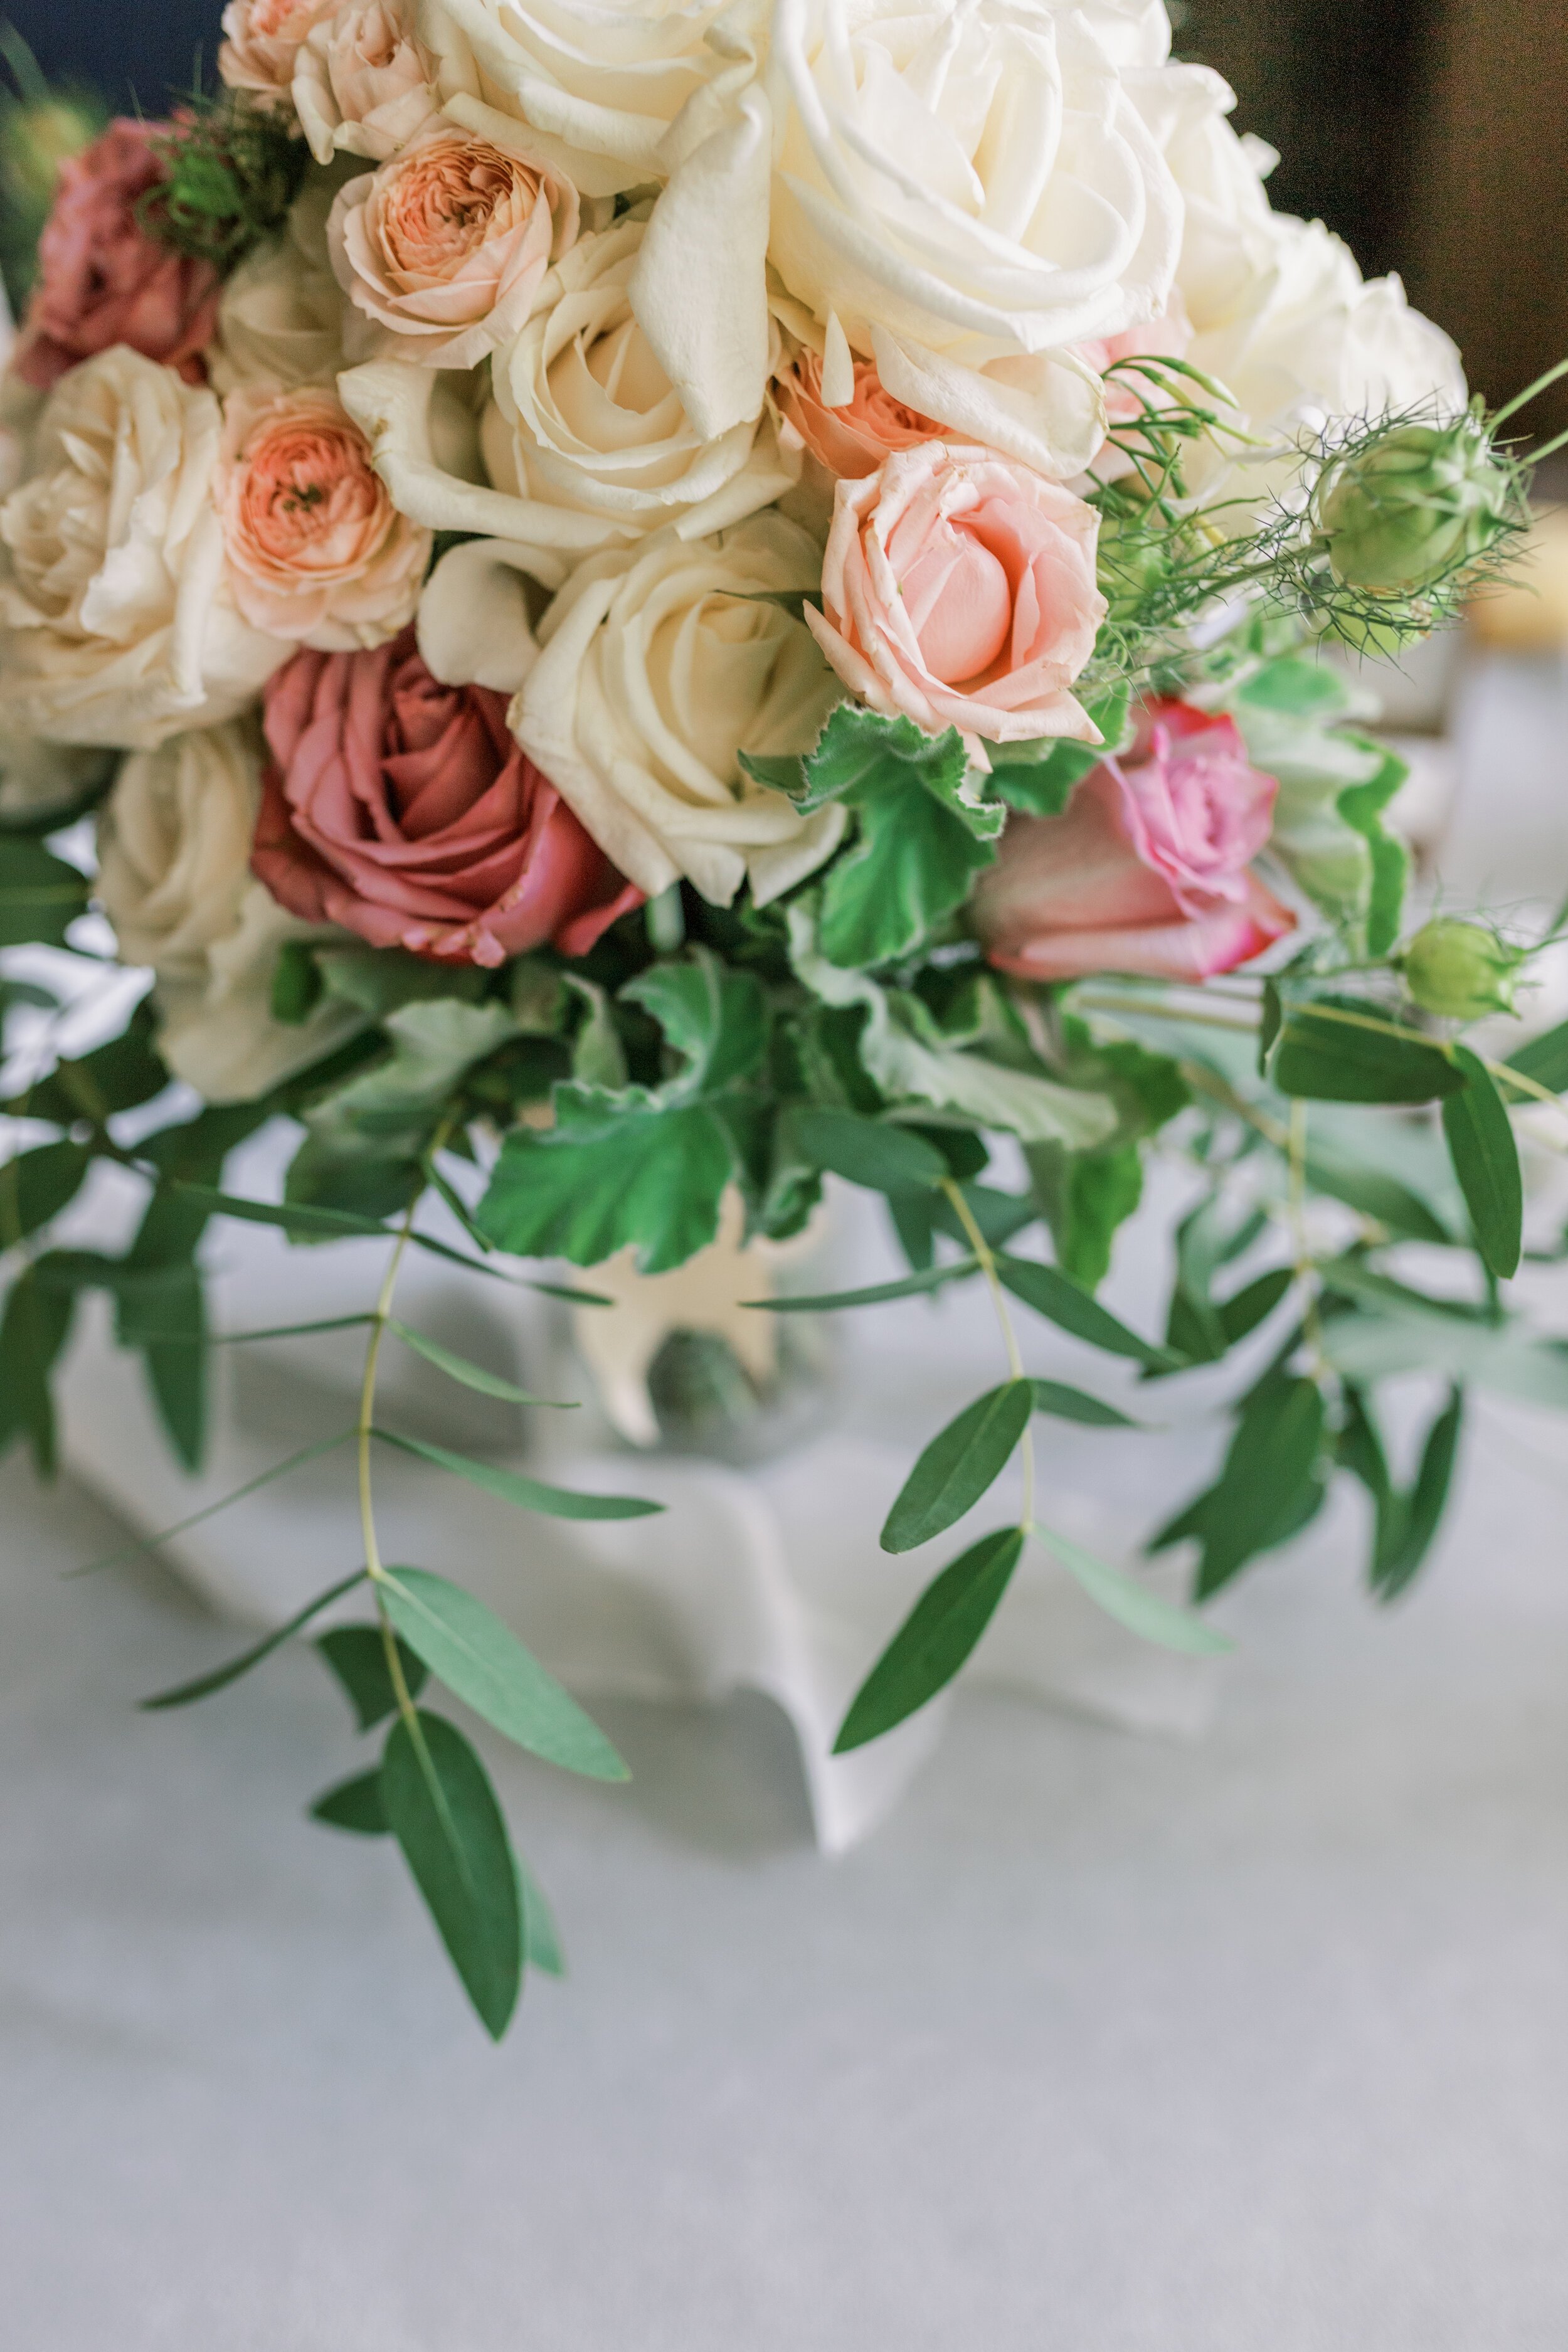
[
  {"x": 1460, "y": 971},
  {"x": 1413, "y": 505}
]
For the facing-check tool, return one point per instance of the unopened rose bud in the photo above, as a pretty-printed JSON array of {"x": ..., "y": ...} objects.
[
  {"x": 1460, "y": 971},
  {"x": 1413, "y": 506}
]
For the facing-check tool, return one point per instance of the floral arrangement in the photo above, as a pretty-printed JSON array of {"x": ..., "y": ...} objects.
[{"x": 628, "y": 608}]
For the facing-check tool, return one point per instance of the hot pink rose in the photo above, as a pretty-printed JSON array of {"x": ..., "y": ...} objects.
[
  {"x": 316, "y": 548},
  {"x": 959, "y": 591},
  {"x": 852, "y": 441},
  {"x": 404, "y": 810},
  {"x": 263, "y": 40},
  {"x": 1149, "y": 868},
  {"x": 102, "y": 279}
]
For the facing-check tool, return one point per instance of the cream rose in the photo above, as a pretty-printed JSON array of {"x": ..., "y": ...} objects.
[
  {"x": 316, "y": 551},
  {"x": 444, "y": 247},
  {"x": 261, "y": 41},
  {"x": 281, "y": 316},
  {"x": 658, "y": 668},
  {"x": 115, "y": 626},
  {"x": 363, "y": 82},
  {"x": 962, "y": 194},
  {"x": 175, "y": 880}
]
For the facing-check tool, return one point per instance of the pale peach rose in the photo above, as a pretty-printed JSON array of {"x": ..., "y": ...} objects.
[
  {"x": 1168, "y": 337},
  {"x": 447, "y": 244},
  {"x": 262, "y": 40},
  {"x": 959, "y": 591},
  {"x": 316, "y": 551},
  {"x": 852, "y": 441},
  {"x": 363, "y": 82}
]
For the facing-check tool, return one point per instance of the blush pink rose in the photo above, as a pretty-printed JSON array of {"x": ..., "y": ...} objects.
[
  {"x": 959, "y": 591},
  {"x": 1149, "y": 868},
  {"x": 1168, "y": 337},
  {"x": 854, "y": 440},
  {"x": 316, "y": 548},
  {"x": 102, "y": 279},
  {"x": 447, "y": 244},
  {"x": 363, "y": 82},
  {"x": 262, "y": 40},
  {"x": 405, "y": 811}
]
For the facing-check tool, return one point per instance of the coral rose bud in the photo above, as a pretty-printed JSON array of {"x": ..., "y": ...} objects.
[
  {"x": 1148, "y": 870},
  {"x": 957, "y": 590}
]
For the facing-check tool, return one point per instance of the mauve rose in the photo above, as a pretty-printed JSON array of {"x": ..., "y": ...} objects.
[
  {"x": 957, "y": 590},
  {"x": 854, "y": 440},
  {"x": 1148, "y": 870},
  {"x": 404, "y": 810},
  {"x": 102, "y": 279}
]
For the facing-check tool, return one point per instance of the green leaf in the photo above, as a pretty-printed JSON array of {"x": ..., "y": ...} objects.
[
  {"x": 1401, "y": 1558},
  {"x": 37, "y": 1185},
  {"x": 173, "y": 1352},
  {"x": 1486, "y": 1162},
  {"x": 1075, "y": 1404},
  {"x": 872, "y": 1152},
  {"x": 33, "y": 1332},
  {"x": 1268, "y": 1478},
  {"x": 1060, "y": 1300},
  {"x": 912, "y": 865},
  {"x": 265, "y": 1478},
  {"x": 1400, "y": 1330},
  {"x": 614, "y": 1171},
  {"x": 297, "y": 983},
  {"x": 541, "y": 1944},
  {"x": 356, "y": 1181},
  {"x": 715, "y": 1019},
  {"x": 40, "y": 894},
  {"x": 1326, "y": 1059},
  {"x": 1132, "y": 1604},
  {"x": 1544, "y": 1059},
  {"x": 1097, "y": 1192},
  {"x": 482, "y": 1662},
  {"x": 1373, "y": 1192},
  {"x": 958, "y": 1465},
  {"x": 220, "y": 1677},
  {"x": 356, "y": 1804},
  {"x": 1361, "y": 808},
  {"x": 332, "y": 1225},
  {"x": 910, "y": 1285},
  {"x": 1039, "y": 778},
  {"x": 443, "y": 1814},
  {"x": 934, "y": 1639},
  {"x": 357, "y": 1656},
  {"x": 528, "y": 1494},
  {"x": 1248, "y": 1307},
  {"x": 470, "y": 1376},
  {"x": 118, "y": 1075}
]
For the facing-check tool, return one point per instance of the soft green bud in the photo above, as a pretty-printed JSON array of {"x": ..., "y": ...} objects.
[
  {"x": 1412, "y": 506},
  {"x": 1460, "y": 971}
]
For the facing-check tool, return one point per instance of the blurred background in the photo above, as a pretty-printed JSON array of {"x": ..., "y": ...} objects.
[{"x": 1430, "y": 133}]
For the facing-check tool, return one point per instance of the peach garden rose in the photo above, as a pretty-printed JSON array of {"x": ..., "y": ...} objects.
[
  {"x": 261, "y": 42},
  {"x": 959, "y": 590},
  {"x": 854, "y": 440},
  {"x": 316, "y": 550},
  {"x": 445, "y": 246},
  {"x": 364, "y": 84}
]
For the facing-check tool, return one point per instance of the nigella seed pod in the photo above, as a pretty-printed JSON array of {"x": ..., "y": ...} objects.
[
  {"x": 1460, "y": 971},
  {"x": 1413, "y": 506}
]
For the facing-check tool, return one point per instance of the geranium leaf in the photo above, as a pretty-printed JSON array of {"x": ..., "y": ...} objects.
[
  {"x": 615, "y": 1169},
  {"x": 958, "y": 1465},
  {"x": 716, "y": 1019},
  {"x": 912, "y": 866},
  {"x": 443, "y": 1812}
]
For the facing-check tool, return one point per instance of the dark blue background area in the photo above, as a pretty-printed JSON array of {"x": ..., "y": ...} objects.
[{"x": 129, "y": 53}]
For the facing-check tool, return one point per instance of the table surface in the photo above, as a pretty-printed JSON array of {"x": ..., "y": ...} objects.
[{"x": 1103, "y": 2043}]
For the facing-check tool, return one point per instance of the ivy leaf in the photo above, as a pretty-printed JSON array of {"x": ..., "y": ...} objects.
[
  {"x": 959, "y": 1465},
  {"x": 934, "y": 1639},
  {"x": 1486, "y": 1162},
  {"x": 443, "y": 1812},
  {"x": 615, "y": 1169},
  {"x": 1323, "y": 1059},
  {"x": 482, "y": 1662},
  {"x": 357, "y": 1656}
]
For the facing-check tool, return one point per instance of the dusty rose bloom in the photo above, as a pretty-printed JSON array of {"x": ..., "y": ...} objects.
[
  {"x": 1149, "y": 868},
  {"x": 404, "y": 810},
  {"x": 262, "y": 40},
  {"x": 446, "y": 245},
  {"x": 363, "y": 82},
  {"x": 102, "y": 279},
  {"x": 959, "y": 591},
  {"x": 315, "y": 547},
  {"x": 852, "y": 441}
]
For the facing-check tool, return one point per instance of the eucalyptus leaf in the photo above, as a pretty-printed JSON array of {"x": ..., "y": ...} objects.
[
  {"x": 1065, "y": 1403},
  {"x": 356, "y": 1804},
  {"x": 1135, "y": 1604},
  {"x": 867, "y": 1151},
  {"x": 37, "y": 1185},
  {"x": 541, "y": 1943},
  {"x": 356, "y": 1654},
  {"x": 443, "y": 1812},
  {"x": 527, "y": 1494},
  {"x": 1486, "y": 1162},
  {"x": 1061, "y": 1301},
  {"x": 470, "y": 1376},
  {"x": 220, "y": 1677},
  {"x": 912, "y": 1286},
  {"x": 1400, "y": 1560},
  {"x": 959, "y": 1465},
  {"x": 934, "y": 1639},
  {"x": 1350, "y": 1051}
]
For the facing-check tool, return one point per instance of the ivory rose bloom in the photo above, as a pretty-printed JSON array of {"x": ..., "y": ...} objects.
[
  {"x": 364, "y": 84},
  {"x": 403, "y": 809},
  {"x": 261, "y": 42},
  {"x": 102, "y": 279},
  {"x": 174, "y": 842},
  {"x": 965, "y": 192},
  {"x": 957, "y": 590},
  {"x": 280, "y": 319},
  {"x": 1148, "y": 870},
  {"x": 659, "y": 666},
  {"x": 852, "y": 438},
  {"x": 446, "y": 245},
  {"x": 115, "y": 625},
  {"x": 316, "y": 550}
]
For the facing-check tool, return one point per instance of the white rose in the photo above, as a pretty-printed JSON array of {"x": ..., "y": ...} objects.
[
  {"x": 637, "y": 95},
  {"x": 282, "y": 315},
  {"x": 175, "y": 880},
  {"x": 959, "y": 193},
  {"x": 114, "y": 626},
  {"x": 657, "y": 667},
  {"x": 363, "y": 83},
  {"x": 1227, "y": 244}
]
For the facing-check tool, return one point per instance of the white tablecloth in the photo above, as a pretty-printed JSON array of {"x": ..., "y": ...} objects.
[{"x": 1102, "y": 2045}]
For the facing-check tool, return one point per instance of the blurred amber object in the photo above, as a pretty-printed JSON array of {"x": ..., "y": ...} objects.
[{"x": 1527, "y": 613}]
